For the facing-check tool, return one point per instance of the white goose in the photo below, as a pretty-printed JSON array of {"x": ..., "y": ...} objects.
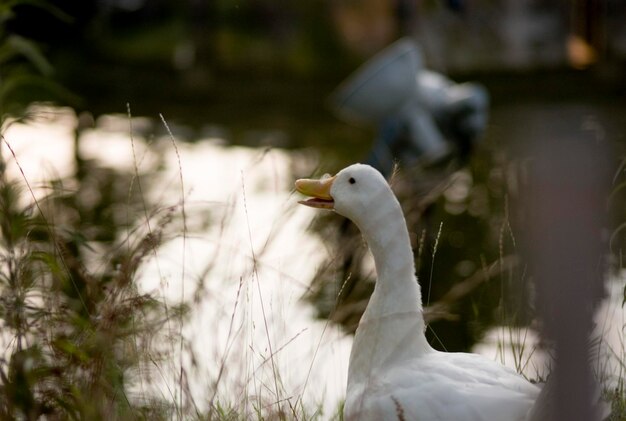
[{"x": 393, "y": 371}]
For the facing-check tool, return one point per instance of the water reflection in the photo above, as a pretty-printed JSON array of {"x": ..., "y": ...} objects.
[{"x": 243, "y": 262}]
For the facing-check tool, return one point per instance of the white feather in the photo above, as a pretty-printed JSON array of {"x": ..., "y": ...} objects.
[{"x": 393, "y": 371}]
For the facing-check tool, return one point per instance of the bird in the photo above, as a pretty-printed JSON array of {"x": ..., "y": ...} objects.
[{"x": 393, "y": 372}]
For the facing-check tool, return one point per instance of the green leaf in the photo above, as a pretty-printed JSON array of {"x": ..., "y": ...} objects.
[
  {"x": 7, "y": 52},
  {"x": 71, "y": 349},
  {"x": 42, "y": 4},
  {"x": 79, "y": 238},
  {"x": 31, "y": 52},
  {"x": 24, "y": 82},
  {"x": 50, "y": 262}
]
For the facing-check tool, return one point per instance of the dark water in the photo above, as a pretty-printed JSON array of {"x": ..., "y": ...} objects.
[{"x": 243, "y": 102}]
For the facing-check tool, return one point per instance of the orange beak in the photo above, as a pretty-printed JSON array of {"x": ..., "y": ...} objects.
[{"x": 318, "y": 190}]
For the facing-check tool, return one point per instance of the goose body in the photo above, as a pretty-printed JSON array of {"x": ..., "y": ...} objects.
[{"x": 394, "y": 374}]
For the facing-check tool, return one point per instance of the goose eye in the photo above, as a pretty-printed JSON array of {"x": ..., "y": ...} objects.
[{"x": 352, "y": 180}]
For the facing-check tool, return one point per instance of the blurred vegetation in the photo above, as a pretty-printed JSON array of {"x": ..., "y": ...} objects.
[
  {"x": 75, "y": 329},
  {"x": 212, "y": 55},
  {"x": 75, "y": 332},
  {"x": 25, "y": 71}
]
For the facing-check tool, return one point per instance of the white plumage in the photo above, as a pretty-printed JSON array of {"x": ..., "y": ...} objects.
[{"x": 394, "y": 374}]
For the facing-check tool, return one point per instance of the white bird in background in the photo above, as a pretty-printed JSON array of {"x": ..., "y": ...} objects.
[{"x": 393, "y": 372}]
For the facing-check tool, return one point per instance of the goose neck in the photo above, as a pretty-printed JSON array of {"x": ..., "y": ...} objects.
[
  {"x": 392, "y": 328},
  {"x": 387, "y": 236}
]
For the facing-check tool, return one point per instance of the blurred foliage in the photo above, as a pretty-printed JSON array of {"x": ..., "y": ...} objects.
[
  {"x": 76, "y": 330},
  {"x": 25, "y": 72},
  {"x": 192, "y": 60}
]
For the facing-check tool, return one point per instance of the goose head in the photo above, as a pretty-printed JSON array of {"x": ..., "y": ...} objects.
[{"x": 356, "y": 192}]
